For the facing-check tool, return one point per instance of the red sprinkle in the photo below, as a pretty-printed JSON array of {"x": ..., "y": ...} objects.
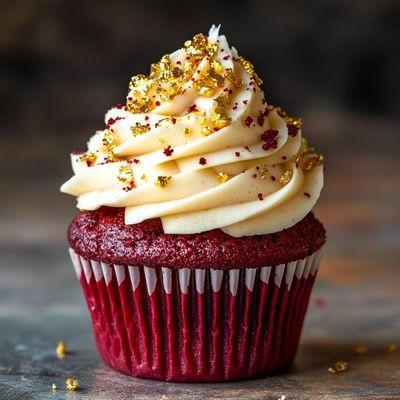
[
  {"x": 248, "y": 121},
  {"x": 307, "y": 194},
  {"x": 237, "y": 153},
  {"x": 168, "y": 151},
  {"x": 260, "y": 119},
  {"x": 112, "y": 121},
  {"x": 269, "y": 137},
  {"x": 158, "y": 103},
  {"x": 226, "y": 58},
  {"x": 292, "y": 130},
  {"x": 202, "y": 161},
  {"x": 245, "y": 102},
  {"x": 119, "y": 106},
  {"x": 260, "y": 196},
  {"x": 146, "y": 118},
  {"x": 192, "y": 108}
]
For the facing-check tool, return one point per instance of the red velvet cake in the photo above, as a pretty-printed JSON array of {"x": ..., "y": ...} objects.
[{"x": 196, "y": 246}]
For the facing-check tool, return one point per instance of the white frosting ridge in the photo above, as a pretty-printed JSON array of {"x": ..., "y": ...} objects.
[{"x": 249, "y": 175}]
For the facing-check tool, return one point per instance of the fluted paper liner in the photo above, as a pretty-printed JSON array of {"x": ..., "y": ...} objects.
[{"x": 194, "y": 325}]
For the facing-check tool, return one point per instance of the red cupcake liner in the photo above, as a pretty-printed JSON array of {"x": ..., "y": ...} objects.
[{"x": 193, "y": 325}]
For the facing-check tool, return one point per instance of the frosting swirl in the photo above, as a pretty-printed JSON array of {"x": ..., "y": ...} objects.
[{"x": 198, "y": 146}]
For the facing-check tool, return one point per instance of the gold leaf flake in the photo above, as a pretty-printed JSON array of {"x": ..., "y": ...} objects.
[
  {"x": 139, "y": 129},
  {"x": 188, "y": 131},
  {"x": 162, "y": 181},
  {"x": 61, "y": 350},
  {"x": 286, "y": 177},
  {"x": 222, "y": 177},
  {"x": 125, "y": 174},
  {"x": 338, "y": 366},
  {"x": 71, "y": 384}
]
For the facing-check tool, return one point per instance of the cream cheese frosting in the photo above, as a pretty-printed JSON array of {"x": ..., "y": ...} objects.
[{"x": 198, "y": 146}]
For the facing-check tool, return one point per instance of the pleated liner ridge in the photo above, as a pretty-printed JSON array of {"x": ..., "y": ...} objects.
[{"x": 193, "y": 325}]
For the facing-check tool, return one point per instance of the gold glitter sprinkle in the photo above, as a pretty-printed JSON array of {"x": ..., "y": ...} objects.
[
  {"x": 338, "y": 366},
  {"x": 392, "y": 348},
  {"x": 139, "y": 129},
  {"x": 264, "y": 173},
  {"x": 61, "y": 350},
  {"x": 162, "y": 141},
  {"x": 143, "y": 177},
  {"x": 137, "y": 80},
  {"x": 71, "y": 384},
  {"x": 249, "y": 68},
  {"x": 125, "y": 174},
  {"x": 199, "y": 47},
  {"x": 89, "y": 158},
  {"x": 286, "y": 177},
  {"x": 162, "y": 181},
  {"x": 188, "y": 131},
  {"x": 53, "y": 387},
  {"x": 222, "y": 177},
  {"x": 312, "y": 161},
  {"x": 217, "y": 66},
  {"x": 361, "y": 350},
  {"x": 108, "y": 139}
]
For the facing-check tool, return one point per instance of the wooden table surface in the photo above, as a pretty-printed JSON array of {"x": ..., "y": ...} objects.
[{"x": 356, "y": 299}]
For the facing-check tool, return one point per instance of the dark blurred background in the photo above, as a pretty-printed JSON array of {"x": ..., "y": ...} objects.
[{"x": 335, "y": 63}]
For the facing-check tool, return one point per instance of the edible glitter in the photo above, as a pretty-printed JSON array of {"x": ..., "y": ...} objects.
[
  {"x": 139, "y": 129},
  {"x": 286, "y": 177},
  {"x": 61, "y": 350},
  {"x": 188, "y": 131},
  {"x": 72, "y": 384},
  {"x": 162, "y": 181},
  {"x": 338, "y": 366},
  {"x": 125, "y": 174},
  {"x": 89, "y": 158},
  {"x": 222, "y": 177}
]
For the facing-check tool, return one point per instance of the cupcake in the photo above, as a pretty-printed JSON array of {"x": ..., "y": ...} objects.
[{"x": 195, "y": 243}]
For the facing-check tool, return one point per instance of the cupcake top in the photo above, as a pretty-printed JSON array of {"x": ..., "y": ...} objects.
[{"x": 198, "y": 146}]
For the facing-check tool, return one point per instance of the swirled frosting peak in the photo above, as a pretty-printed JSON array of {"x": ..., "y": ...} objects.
[{"x": 198, "y": 146}]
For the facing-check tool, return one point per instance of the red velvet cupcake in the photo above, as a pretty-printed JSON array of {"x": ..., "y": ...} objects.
[{"x": 196, "y": 247}]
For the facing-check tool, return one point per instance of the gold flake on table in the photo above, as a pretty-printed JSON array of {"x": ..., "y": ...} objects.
[
  {"x": 338, "y": 366},
  {"x": 61, "y": 350},
  {"x": 53, "y": 387},
  {"x": 71, "y": 384}
]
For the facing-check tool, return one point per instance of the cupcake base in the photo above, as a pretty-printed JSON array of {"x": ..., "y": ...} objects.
[{"x": 197, "y": 325}]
